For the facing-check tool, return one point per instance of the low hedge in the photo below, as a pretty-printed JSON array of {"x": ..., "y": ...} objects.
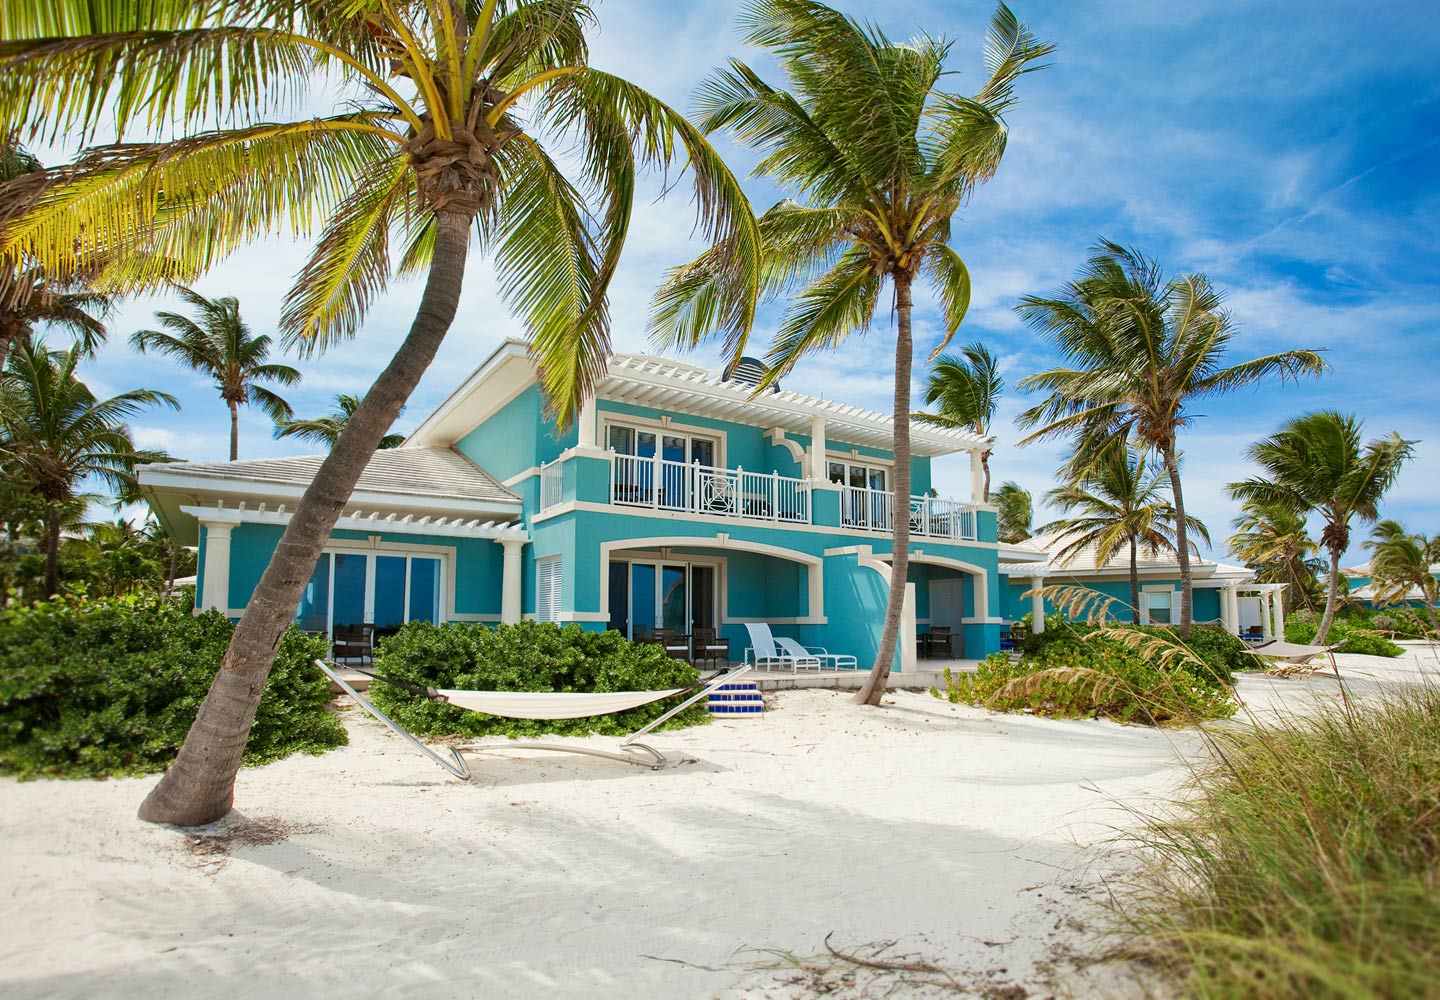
[
  {"x": 99, "y": 688},
  {"x": 1350, "y": 638},
  {"x": 1222, "y": 652},
  {"x": 529, "y": 656}
]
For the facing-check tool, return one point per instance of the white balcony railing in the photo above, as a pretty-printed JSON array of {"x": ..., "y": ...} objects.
[
  {"x": 929, "y": 516},
  {"x": 552, "y": 485},
  {"x": 706, "y": 489}
]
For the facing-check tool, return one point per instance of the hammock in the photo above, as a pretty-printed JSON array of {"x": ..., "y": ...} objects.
[
  {"x": 543, "y": 705},
  {"x": 1288, "y": 650}
]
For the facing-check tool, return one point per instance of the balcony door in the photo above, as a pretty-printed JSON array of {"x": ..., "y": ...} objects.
[
  {"x": 635, "y": 471},
  {"x": 381, "y": 589},
  {"x": 860, "y": 506},
  {"x": 646, "y": 595}
]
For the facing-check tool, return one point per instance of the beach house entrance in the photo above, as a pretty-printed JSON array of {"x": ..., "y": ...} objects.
[
  {"x": 378, "y": 588},
  {"x": 646, "y": 595}
]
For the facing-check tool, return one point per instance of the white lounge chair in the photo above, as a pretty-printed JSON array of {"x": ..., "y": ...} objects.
[
  {"x": 764, "y": 652},
  {"x": 834, "y": 661}
]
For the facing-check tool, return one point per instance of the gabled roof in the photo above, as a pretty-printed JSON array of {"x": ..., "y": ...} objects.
[
  {"x": 424, "y": 481},
  {"x": 430, "y": 472},
  {"x": 662, "y": 383}
]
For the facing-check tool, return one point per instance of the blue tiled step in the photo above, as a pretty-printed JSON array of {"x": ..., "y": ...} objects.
[{"x": 741, "y": 698}]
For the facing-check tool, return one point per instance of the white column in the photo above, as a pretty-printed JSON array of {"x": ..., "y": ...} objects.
[
  {"x": 216, "y": 590},
  {"x": 587, "y": 425},
  {"x": 1279, "y": 598},
  {"x": 511, "y": 580},
  {"x": 1037, "y": 605},
  {"x": 1265, "y": 621},
  {"x": 817, "y": 450},
  {"x": 1229, "y": 607},
  {"x": 977, "y": 478},
  {"x": 907, "y": 631}
]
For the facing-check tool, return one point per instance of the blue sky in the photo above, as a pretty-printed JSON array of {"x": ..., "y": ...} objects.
[{"x": 1291, "y": 151}]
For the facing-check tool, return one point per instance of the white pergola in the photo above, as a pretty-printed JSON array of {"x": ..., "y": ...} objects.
[
  {"x": 220, "y": 521},
  {"x": 1269, "y": 596}
]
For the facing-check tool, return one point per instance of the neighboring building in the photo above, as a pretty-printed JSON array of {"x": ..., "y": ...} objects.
[
  {"x": 1224, "y": 595},
  {"x": 675, "y": 500},
  {"x": 1361, "y": 580}
]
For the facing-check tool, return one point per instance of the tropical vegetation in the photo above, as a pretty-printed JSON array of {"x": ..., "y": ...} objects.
[
  {"x": 326, "y": 430},
  {"x": 58, "y": 441},
  {"x": 966, "y": 388},
  {"x": 1274, "y": 541},
  {"x": 1014, "y": 512},
  {"x": 99, "y": 688},
  {"x": 1301, "y": 861},
  {"x": 218, "y": 344},
  {"x": 1317, "y": 463},
  {"x": 1118, "y": 503},
  {"x": 874, "y": 161},
  {"x": 1140, "y": 350},
  {"x": 1403, "y": 567}
]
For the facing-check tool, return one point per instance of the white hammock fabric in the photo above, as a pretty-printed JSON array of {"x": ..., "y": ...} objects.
[
  {"x": 1287, "y": 650},
  {"x": 553, "y": 704}
]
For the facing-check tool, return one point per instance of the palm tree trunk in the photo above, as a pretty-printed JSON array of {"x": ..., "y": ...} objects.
[
  {"x": 1182, "y": 543},
  {"x": 234, "y": 431},
  {"x": 985, "y": 468},
  {"x": 52, "y": 550},
  {"x": 170, "y": 572},
  {"x": 200, "y": 786},
  {"x": 1134, "y": 582},
  {"x": 874, "y": 687},
  {"x": 1332, "y": 598}
]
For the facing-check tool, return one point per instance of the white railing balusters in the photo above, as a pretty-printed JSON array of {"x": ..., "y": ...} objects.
[
  {"x": 873, "y": 510},
  {"x": 552, "y": 484},
  {"x": 675, "y": 486}
]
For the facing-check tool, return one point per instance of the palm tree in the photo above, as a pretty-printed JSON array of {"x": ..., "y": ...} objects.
[
  {"x": 326, "y": 430},
  {"x": 968, "y": 390},
  {"x": 27, "y": 297},
  {"x": 1140, "y": 351},
  {"x": 56, "y": 437},
  {"x": 221, "y": 346},
  {"x": 1275, "y": 542},
  {"x": 442, "y": 133},
  {"x": 877, "y": 161},
  {"x": 1015, "y": 511},
  {"x": 1119, "y": 502},
  {"x": 1316, "y": 463},
  {"x": 1402, "y": 564}
]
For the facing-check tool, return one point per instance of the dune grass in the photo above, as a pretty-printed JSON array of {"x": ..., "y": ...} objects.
[{"x": 1307, "y": 861}]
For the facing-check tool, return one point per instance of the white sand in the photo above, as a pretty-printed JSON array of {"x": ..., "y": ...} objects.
[{"x": 969, "y": 839}]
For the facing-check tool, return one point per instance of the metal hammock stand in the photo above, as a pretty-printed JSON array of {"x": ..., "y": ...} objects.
[{"x": 540, "y": 705}]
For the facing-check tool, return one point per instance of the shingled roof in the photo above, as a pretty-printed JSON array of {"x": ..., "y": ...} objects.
[{"x": 439, "y": 473}]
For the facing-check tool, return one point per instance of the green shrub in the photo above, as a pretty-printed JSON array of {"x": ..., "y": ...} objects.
[
  {"x": 1222, "y": 652},
  {"x": 1302, "y": 863},
  {"x": 1350, "y": 638},
  {"x": 1093, "y": 677},
  {"x": 93, "y": 688},
  {"x": 530, "y": 656}
]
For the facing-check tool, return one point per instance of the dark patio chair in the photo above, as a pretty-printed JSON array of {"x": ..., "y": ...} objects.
[
  {"x": 941, "y": 640},
  {"x": 677, "y": 647},
  {"x": 710, "y": 648},
  {"x": 354, "y": 642}
]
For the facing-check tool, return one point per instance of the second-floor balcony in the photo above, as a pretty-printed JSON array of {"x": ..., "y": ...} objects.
[{"x": 712, "y": 491}]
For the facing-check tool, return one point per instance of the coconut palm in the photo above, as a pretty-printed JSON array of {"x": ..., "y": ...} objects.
[
  {"x": 57, "y": 439},
  {"x": 1139, "y": 351},
  {"x": 1275, "y": 542},
  {"x": 1403, "y": 565},
  {"x": 1118, "y": 503},
  {"x": 27, "y": 297},
  {"x": 1015, "y": 512},
  {"x": 967, "y": 389},
  {"x": 445, "y": 118},
  {"x": 877, "y": 161},
  {"x": 1316, "y": 464},
  {"x": 218, "y": 343},
  {"x": 326, "y": 430}
]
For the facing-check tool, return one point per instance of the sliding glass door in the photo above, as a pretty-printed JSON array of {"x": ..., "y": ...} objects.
[
  {"x": 645, "y": 596},
  {"x": 371, "y": 588}
]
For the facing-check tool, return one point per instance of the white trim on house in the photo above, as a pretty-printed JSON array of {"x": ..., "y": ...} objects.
[{"x": 357, "y": 520}]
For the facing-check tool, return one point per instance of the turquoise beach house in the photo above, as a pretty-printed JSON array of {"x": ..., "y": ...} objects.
[{"x": 679, "y": 499}]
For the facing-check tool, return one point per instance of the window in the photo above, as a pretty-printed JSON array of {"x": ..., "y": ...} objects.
[
  {"x": 675, "y": 444},
  {"x": 1157, "y": 606},
  {"x": 858, "y": 476},
  {"x": 384, "y": 589},
  {"x": 547, "y": 589}
]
